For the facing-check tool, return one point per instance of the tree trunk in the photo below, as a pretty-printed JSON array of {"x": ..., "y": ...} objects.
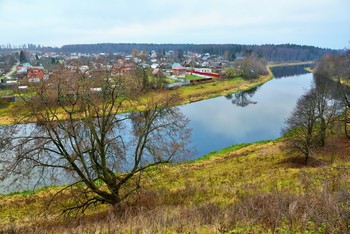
[
  {"x": 117, "y": 206},
  {"x": 322, "y": 135},
  {"x": 346, "y": 122},
  {"x": 307, "y": 158}
]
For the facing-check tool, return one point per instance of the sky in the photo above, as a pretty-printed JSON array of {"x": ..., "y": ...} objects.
[{"x": 321, "y": 23}]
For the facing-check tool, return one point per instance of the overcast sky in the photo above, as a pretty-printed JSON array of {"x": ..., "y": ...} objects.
[{"x": 323, "y": 23}]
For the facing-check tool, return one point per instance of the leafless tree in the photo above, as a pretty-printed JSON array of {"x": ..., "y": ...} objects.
[
  {"x": 81, "y": 128},
  {"x": 302, "y": 121},
  {"x": 328, "y": 108},
  {"x": 251, "y": 67},
  {"x": 335, "y": 69},
  {"x": 313, "y": 115}
]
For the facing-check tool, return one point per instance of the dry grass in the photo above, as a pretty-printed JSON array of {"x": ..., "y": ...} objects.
[{"x": 252, "y": 189}]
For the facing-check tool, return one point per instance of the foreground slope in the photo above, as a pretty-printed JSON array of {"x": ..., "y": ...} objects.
[{"x": 249, "y": 188}]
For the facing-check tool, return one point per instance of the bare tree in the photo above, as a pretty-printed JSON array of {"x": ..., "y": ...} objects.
[
  {"x": 313, "y": 116},
  {"x": 334, "y": 71},
  {"x": 251, "y": 67},
  {"x": 302, "y": 122},
  {"x": 328, "y": 107},
  {"x": 81, "y": 128},
  {"x": 346, "y": 98}
]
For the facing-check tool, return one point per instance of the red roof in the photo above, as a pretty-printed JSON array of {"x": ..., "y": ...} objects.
[{"x": 179, "y": 68}]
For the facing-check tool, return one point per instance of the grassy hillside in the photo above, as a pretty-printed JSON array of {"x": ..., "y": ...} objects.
[{"x": 249, "y": 188}]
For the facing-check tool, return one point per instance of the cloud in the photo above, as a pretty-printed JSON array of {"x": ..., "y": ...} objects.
[{"x": 322, "y": 22}]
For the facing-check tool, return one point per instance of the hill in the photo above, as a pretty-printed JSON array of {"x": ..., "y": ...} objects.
[{"x": 249, "y": 188}]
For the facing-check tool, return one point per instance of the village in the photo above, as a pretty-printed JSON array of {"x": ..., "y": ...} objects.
[{"x": 173, "y": 68}]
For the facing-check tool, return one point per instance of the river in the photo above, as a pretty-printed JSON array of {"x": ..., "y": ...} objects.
[{"x": 243, "y": 117}]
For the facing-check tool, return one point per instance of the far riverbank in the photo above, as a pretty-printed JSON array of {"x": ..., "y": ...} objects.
[{"x": 190, "y": 93}]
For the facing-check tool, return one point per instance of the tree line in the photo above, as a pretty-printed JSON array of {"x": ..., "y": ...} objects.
[
  {"x": 278, "y": 53},
  {"x": 284, "y": 52}
]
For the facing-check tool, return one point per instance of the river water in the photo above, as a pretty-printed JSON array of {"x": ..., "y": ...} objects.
[{"x": 243, "y": 117}]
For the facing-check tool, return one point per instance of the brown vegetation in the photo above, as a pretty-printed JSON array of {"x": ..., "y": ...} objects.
[{"x": 253, "y": 189}]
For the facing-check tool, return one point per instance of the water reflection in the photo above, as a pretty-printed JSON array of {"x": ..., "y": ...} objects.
[
  {"x": 285, "y": 71},
  {"x": 242, "y": 98}
]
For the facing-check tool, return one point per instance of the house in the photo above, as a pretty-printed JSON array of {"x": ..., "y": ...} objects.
[
  {"x": 204, "y": 70},
  {"x": 144, "y": 65},
  {"x": 205, "y": 64},
  {"x": 84, "y": 68},
  {"x": 2, "y": 65},
  {"x": 22, "y": 70},
  {"x": 178, "y": 70},
  {"x": 157, "y": 72},
  {"x": 204, "y": 73},
  {"x": 35, "y": 74},
  {"x": 122, "y": 69},
  {"x": 155, "y": 65},
  {"x": 129, "y": 69}
]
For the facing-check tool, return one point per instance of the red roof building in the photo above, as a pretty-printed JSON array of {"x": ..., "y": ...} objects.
[
  {"x": 35, "y": 74},
  {"x": 178, "y": 70}
]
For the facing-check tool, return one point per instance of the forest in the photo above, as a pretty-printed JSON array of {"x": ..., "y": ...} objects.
[
  {"x": 285, "y": 52},
  {"x": 270, "y": 52}
]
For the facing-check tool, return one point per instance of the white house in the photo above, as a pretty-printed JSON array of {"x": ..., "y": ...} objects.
[{"x": 206, "y": 70}]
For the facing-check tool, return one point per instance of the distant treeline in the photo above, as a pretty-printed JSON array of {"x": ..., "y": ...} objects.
[{"x": 277, "y": 53}]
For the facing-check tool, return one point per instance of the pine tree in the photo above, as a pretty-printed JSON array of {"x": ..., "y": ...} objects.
[{"x": 22, "y": 57}]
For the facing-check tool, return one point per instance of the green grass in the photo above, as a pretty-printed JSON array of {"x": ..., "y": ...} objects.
[
  {"x": 5, "y": 92},
  {"x": 222, "y": 152},
  {"x": 343, "y": 81},
  {"x": 192, "y": 77},
  {"x": 27, "y": 193},
  {"x": 232, "y": 148},
  {"x": 169, "y": 81}
]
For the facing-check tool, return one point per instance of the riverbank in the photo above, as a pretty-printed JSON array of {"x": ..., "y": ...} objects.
[
  {"x": 190, "y": 93},
  {"x": 220, "y": 87},
  {"x": 247, "y": 188},
  {"x": 291, "y": 64}
]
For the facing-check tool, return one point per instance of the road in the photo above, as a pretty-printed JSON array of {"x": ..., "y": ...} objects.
[{"x": 13, "y": 70}]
